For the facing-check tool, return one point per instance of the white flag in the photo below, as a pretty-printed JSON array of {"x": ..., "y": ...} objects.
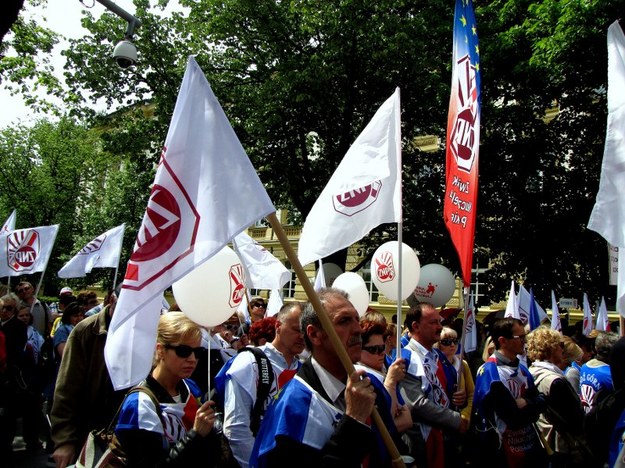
[
  {"x": 587, "y": 324},
  {"x": 26, "y": 251},
  {"x": 320, "y": 279},
  {"x": 603, "y": 323},
  {"x": 101, "y": 252},
  {"x": 512, "y": 308},
  {"x": 608, "y": 214},
  {"x": 263, "y": 270},
  {"x": 363, "y": 192},
  {"x": 244, "y": 309},
  {"x": 555, "y": 313},
  {"x": 524, "y": 300},
  {"x": 9, "y": 224},
  {"x": 205, "y": 192},
  {"x": 275, "y": 303},
  {"x": 469, "y": 336}
]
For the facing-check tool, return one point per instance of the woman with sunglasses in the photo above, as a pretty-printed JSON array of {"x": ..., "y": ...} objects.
[
  {"x": 180, "y": 431},
  {"x": 456, "y": 369},
  {"x": 386, "y": 383}
]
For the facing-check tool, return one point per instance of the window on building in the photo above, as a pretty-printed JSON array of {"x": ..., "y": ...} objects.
[
  {"x": 288, "y": 290},
  {"x": 365, "y": 272}
]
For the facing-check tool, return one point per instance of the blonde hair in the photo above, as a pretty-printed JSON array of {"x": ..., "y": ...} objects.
[
  {"x": 448, "y": 332},
  {"x": 489, "y": 348},
  {"x": 175, "y": 327},
  {"x": 572, "y": 352},
  {"x": 541, "y": 343}
]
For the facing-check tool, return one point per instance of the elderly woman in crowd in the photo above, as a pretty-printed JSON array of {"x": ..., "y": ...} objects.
[
  {"x": 563, "y": 421},
  {"x": 456, "y": 369},
  {"x": 72, "y": 315},
  {"x": 179, "y": 431}
]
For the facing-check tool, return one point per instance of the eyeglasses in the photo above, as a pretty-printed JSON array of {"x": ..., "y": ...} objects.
[
  {"x": 449, "y": 341},
  {"x": 260, "y": 305},
  {"x": 375, "y": 349},
  {"x": 184, "y": 351},
  {"x": 231, "y": 327},
  {"x": 518, "y": 337}
]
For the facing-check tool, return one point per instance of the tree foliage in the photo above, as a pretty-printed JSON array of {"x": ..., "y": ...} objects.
[{"x": 300, "y": 79}]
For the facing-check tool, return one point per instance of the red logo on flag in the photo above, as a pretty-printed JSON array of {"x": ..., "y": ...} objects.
[
  {"x": 167, "y": 234},
  {"x": 237, "y": 285},
  {"x": 93, "y": 246},
  {"x": 463, "y": 140},
  {"x": 355, "y": 201},
  {"x": 385, "y": 269},
  {"x": 23, "y": 249}
]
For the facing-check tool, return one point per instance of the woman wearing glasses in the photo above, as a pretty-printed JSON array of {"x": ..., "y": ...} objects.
[
  {"x": 178, "y": 432},
  {"x": 386, "y": 383}
]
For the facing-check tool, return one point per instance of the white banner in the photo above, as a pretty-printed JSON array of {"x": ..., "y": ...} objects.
[
  {"x": 26, "y": 251},
  {"x": 101, "y": 252},
  {"x": 205, "y": 192},
  {"x": 363, "y": 192},
  {"x": 264, "y": 271}
]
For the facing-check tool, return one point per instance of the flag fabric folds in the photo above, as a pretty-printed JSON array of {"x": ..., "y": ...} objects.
[
  {"x": 463, "y": 138},
  {"x": 587, "y": 323},
  {"x": 470, "y": 330},
  {"x": 534, "y": 318},
  {"x": 9, "y": 224},
  {"x": 205, "y": 192},
  {"x": 101, "y": 252},
  {"x": 275, "y": 303},
  {"x": 320, "y": 279},
  {"x": 512, "y": 308},
  {"x": 555, "y": 313},
  {"x": 263, "y": 270},
  {"x": 26, "y": 251},
  {"x": 608, "y": 214},
  {"x": 524, "y": 303},
  {"x": 363, "y": 192},
  {"x": 602, "y": 322}
]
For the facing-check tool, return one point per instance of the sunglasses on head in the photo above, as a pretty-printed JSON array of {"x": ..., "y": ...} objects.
[
  {"x": 184, "y": 351},
  {"x": 449, "y": 341},
  {"x": 375, "y": 349}
]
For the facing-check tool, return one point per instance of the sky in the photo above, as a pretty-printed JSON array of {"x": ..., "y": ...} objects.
[{"x": 63, "y": 17}]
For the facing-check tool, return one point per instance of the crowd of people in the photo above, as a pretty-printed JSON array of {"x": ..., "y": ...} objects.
[{"x": 273, "y": 392}]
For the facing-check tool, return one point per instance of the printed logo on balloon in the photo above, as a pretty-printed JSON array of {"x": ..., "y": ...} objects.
[{"x": 385, "y": 270}]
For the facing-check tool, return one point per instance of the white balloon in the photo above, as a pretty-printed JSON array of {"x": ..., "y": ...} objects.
[
  {"x": 210, "y": 294},
  {"x": 436, "y": 285},
  {"x": 385, "y": 270},
  {"x": 355, "y": 286}
]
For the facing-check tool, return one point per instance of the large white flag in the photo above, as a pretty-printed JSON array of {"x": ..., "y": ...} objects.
[
  {"x": 469, "y": 336},
  {"x": 101, "y": 252},
  {"x": 587, "y": 323},
  {"x": 205, "y": 192},
  {"x": 26, "y": 251},
  {"x": 9, "y": 224},
  {"x": 608, "y": 214},
  {"x": 263, "y": 270},
  {"x": 512, "y": 307},
  {"x": 556, "y": 324},
  {"x": 363, "y": 192},
  {"x": 602, "y": 322}
]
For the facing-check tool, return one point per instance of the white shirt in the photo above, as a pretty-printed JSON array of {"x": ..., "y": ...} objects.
[{"x": 240, "y": 397}]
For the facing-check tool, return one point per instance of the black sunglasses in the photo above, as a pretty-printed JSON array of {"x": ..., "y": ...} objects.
[
  {"x": 375, "y": 349},
  {"x": 449, "y": 341},
  {"x": 184, "y": 351},
  {"x": 260, "y": 305}
]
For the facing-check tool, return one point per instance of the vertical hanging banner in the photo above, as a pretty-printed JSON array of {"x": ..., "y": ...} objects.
[
  {"x": 613, "y": 264},
  {"x": 463, "y": 137}
]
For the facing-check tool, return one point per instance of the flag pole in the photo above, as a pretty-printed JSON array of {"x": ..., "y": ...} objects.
[
  {"x": 400, "y": 226},
  {"x": 326, "y": 323}
]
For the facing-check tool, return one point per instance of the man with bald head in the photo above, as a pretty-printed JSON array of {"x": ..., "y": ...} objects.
[{"x": 321, "y": 417}]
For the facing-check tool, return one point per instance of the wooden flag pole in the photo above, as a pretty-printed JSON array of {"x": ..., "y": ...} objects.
[{"x": 326, "y": 323}]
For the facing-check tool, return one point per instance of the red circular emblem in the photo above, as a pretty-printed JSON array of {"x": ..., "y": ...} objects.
[{"x": 160, "y": 227}]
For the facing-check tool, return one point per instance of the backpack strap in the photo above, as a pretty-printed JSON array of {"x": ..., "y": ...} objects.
[
  {"x": 265, "y": 379},
  {"x": 139, "y": 388}
]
